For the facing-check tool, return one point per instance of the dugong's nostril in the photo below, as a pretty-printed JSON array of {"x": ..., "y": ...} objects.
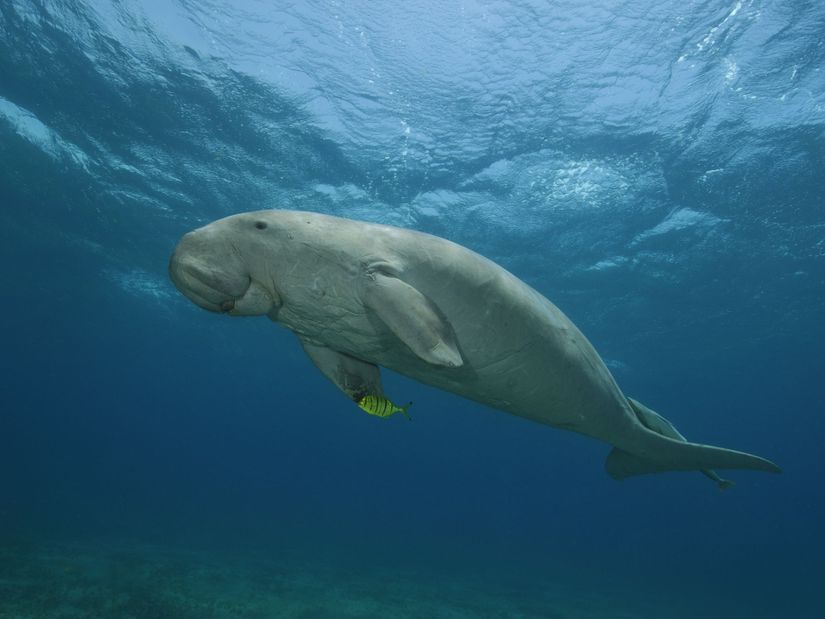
[{"x": 228, "y": 306}]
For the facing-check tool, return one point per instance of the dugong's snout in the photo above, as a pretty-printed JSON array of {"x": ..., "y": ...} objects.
[
  {"x": 213, "y": 275},
  {"x": 202, "y": 286}
]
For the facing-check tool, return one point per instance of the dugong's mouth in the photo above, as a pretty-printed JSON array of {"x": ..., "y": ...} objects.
[
  {"x": 203, "y": 297},
  {"x": 218, "y": 291},
  {"x": 205, "y": 289}
]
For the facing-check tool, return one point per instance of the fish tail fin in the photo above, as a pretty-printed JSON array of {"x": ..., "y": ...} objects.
[{"x": 404, "y": 410}]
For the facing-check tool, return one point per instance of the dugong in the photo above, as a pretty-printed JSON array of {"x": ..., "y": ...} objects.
[{"x": 361, "y": 295}]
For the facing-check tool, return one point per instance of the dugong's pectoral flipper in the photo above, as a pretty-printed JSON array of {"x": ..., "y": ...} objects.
[
  {"x": 413, "y": 318},
  {"x": 354, "y": 377}
]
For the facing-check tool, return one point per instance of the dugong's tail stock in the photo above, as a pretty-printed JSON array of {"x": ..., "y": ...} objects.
[{"x": 660, "y": 448}]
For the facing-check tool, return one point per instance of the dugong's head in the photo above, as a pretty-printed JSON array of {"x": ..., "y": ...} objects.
[{"x": 228, "y": 265}]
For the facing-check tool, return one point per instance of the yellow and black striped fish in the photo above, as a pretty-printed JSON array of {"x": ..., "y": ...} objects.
[{"x": 381, "y": 407}]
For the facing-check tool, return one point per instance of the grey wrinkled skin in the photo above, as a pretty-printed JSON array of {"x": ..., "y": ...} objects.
[{"x": 360, "y": 295}]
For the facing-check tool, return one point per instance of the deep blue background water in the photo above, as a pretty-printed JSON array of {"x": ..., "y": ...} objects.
[{"x": 655, "y": 169}]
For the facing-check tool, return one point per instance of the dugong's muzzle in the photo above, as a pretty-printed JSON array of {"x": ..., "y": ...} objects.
[{"x": 216, "y": 279}]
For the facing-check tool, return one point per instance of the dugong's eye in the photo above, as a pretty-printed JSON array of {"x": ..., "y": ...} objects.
[{"x": 260, "y": 225}]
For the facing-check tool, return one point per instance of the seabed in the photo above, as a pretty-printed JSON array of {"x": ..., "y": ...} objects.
[{"x": 142, "y": 581}]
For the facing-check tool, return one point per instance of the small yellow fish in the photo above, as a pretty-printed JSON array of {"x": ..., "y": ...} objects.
[{"x": 381, "y": 407}]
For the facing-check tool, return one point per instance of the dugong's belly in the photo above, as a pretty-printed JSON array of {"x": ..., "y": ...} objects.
[
  {"x": 545, "y": 379},
  {"x": 521, "y": 354}
]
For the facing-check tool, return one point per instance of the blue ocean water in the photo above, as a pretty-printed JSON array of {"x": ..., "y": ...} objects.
[{"x": 654, "y": 168}]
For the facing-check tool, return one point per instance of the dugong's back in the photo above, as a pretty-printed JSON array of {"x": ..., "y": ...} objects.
[{"x": 521, "y": 354}]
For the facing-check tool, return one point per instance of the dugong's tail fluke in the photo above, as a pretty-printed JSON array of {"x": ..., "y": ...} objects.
[
  {"x": 660, "y": 447},
  {"x": 679, "y": 456},
  {"x": 723, "y": 484}
]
